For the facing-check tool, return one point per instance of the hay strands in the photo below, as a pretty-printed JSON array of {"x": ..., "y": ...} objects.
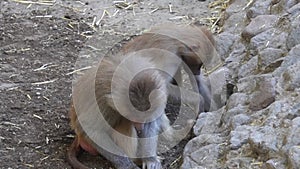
[
  {"x": 45, "y": 66},
  {"x": 44, "y": 82},
  {"x": 124, "y": 5},
  {"x": 40, "y": 2}
]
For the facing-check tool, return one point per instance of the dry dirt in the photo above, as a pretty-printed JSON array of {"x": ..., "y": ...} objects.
[{"x": 39, "y": 45}]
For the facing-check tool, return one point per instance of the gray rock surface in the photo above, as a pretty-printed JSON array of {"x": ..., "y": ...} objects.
[
  {"x": 259, "y": 127},
  {"x": 258, "y": 25},
  {"x": 268, "y": 57}
]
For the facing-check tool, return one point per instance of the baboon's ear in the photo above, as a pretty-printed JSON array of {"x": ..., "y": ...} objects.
[{"x": 190, "y": 58}]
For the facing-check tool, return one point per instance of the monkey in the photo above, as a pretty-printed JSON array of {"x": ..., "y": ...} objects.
[
  {"x": 129, "y": 134},
  {"x": 124, "y": 130},
  {"x": 194, "y": 45}
]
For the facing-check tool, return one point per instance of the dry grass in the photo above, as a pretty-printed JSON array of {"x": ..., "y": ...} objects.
[{"x": 218, "y": 8}]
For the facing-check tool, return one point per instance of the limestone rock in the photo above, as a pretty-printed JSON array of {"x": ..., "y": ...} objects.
[{"x": 258, "y": 25}]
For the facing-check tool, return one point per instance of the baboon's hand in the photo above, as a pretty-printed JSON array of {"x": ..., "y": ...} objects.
[{"x": 151, "y": 163}]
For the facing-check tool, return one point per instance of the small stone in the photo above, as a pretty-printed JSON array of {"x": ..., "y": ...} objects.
[
  {"x": 294, "y": 156},
  {"x": 290, "y": 78},
  {"x": 207, "y": 123},
  {"x": 259, "y": 8},
  {"x": 269, "y": 55},
  {"x": 264, "y": 141},
  {"x": 239, "y": 120},
  {"x": 294, "y": 37},
  {"x": 258, "y": 25},
  {"x": 271, "y": 38},
  {"x": 224, "y": 43},
  {"x": 240, "y": 136},
  {"x": 261, "y": 90},
  {"x": 248, "y": 68},
  {"x": 275, "y": 163}
]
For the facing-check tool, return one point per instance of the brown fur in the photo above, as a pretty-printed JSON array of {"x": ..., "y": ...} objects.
[
  {"x": 195, "y": 45},
  {"x": 182, "y": 41},
  {"x": 139, "y": 90}
]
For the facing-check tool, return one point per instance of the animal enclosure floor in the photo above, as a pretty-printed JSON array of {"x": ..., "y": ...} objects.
[{"x": 39, "y": 46}]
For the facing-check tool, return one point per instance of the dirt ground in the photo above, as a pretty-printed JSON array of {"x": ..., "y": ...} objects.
[{"x": 40, "y": 42}]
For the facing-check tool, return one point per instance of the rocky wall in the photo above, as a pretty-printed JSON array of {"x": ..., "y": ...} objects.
[{"x": 259, "y": 126}]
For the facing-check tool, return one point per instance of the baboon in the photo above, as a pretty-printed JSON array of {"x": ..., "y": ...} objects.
[{"x": 118, "y": 108}]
